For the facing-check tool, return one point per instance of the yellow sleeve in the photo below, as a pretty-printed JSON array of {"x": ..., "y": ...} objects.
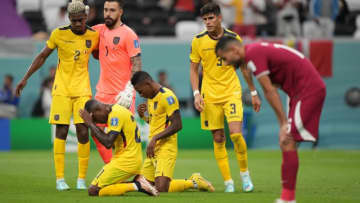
[
  {"x": 194, "y": 53},
  {"x": 171, "y": 104},
  {"x": 51, "y": 43},
  {"x": 116, "y": 121},
  {"x": 239, "y": 38}
]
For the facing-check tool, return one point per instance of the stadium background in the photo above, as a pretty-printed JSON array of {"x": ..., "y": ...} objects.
[{"x": 339, "y": 123}]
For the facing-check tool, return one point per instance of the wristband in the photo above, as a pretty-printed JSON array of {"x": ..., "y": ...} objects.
[
  {"x": 196, "y": 92},
  {"x": 253, "y": 93}
]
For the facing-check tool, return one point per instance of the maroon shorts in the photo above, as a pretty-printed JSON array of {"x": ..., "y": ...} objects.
[{"x": 304, "y": 116}]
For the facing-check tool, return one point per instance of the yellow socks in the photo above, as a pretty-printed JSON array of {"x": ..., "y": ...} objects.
[
  {"x": 59, "y": 156},
  {"x": 240, "y": 150},
  {"x": 117, "y": 189},
  {"x": 83, "y": 157},
  {"x": 180, "y": 185},
  {"x": 222, "y": 160}
]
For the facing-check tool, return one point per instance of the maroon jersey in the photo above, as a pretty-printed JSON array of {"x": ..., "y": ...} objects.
[{"x": 285, "y": 66}]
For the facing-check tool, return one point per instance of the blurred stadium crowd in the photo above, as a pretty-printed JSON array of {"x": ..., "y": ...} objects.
[{"x": 251, "y": 18}]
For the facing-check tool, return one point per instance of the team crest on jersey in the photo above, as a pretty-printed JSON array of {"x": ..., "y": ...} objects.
[
  {"x": 170, "y": 100},
  {"x": 88, "y": 43},
  {"x": 116, "y": 40},
  {"x": 114, "y": 121}
]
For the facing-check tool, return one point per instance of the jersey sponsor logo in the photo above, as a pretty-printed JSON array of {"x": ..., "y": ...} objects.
[
  {"x": 114, "y": 121},
  {"x": 208, "y": 49},
  {"x": 136, "y": 44},
  {"x": 170, "y": 100},
  {"x": 116, "y": 40},
  {"x": 68, "y": 41},
  {"x": 251, "y": 66},
  {"x": 88, "y": 43}
]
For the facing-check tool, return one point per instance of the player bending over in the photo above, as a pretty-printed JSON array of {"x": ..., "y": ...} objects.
[
  {"x": 71, "y": 88},
  {"x": 279, "y": 65},
  {"x": 165, "y": 121},
  {"x": 123, "y": 135}
]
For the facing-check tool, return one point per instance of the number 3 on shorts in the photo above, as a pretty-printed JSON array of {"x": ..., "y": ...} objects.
[{"x": 233, "y": 109}]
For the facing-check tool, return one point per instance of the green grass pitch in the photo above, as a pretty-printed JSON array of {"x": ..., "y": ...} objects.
[{"x": 324, "y": 177}]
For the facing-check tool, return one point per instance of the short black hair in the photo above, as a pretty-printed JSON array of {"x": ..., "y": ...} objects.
[
  {"x": 120, "y": 2},
  {"x": 210, "y": 8},
  {"x": 91, "y": 105},
  {"x": 223, "y": 42},
  {"x": 140, "y": 76}
]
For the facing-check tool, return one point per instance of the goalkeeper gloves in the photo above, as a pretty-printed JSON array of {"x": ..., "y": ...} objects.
[{"x": 125, "y": 97}]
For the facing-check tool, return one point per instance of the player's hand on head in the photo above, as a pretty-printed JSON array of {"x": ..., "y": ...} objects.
[
  {"x": 19, "y": 87},
  {"x": 199, "y": 102},
  {"x": 256, "y": 103},
  {"x": 150, "y": 150},
  {"x": 86, "y": 116},
  {"x": 141, "y": 109}
]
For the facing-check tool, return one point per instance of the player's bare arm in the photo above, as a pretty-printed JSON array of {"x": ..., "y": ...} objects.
[
  {"x": 36, "y": 64},
  {"x": 272, "y": 95},
  {"x": 194, "y": 79},
  {"x": 256, "y": 102},
  {"x": 106, "y": 139},
  {"x": 136, "y": 63},
  {"x": 173, "y": 128}
]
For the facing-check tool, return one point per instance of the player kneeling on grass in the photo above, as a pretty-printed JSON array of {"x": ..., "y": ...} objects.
[
  {"x": 123, "y": 134},
  {"x": 165, "y": 121}
]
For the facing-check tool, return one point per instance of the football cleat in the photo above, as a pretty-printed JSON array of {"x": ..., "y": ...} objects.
[
  {"x": 61, "y": 185},
  {"x": 247, "y": 185},
  {"x": 284, "y": 201},
  {"x": 201, "y": 183},
  {"x": 229, "y": 186},
  {"x": 144, "y": 186},
  {"x": 80, "y": 185}
]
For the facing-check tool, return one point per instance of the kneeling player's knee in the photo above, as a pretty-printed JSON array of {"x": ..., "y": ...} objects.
[{"x": 93, "y": 190}]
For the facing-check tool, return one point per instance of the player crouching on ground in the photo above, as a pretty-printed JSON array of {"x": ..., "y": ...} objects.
[
  {"x": 165, "y": 121},
  {"x": 123, "y": 134}
]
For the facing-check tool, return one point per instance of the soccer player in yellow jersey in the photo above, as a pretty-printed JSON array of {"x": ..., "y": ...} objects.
[
  {"x": 220, "y": 95},
  {"x": 71, "y": 89},
  {"x": 124, "y": 136},
  {"x": 165, "y": 121}
]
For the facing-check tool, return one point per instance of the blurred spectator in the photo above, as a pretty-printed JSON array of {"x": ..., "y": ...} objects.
[
  {"x": 288, "y": 20},
  {"x": 43, "y": 103},
  {"x": 14, "y": 24},
  {"x": 322, "y": 18},
  {"x": 163, "y": 80},
  {"x": 183, "y": 10},
  {"x": 61, "y": 19},
  {"x": 248, "y": 14},
  {"x": 93, "y": 18},
  {"x": 8, "y": 100},
  {"x": 357, "y": 32}
]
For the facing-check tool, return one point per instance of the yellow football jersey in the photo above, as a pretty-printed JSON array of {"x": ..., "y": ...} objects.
[
  {"x": 160, "y": 108},
  {"x": 220, "y": 82},
  {"x": 72, "y": 76},
  {"x": 128, "y": 143}
]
